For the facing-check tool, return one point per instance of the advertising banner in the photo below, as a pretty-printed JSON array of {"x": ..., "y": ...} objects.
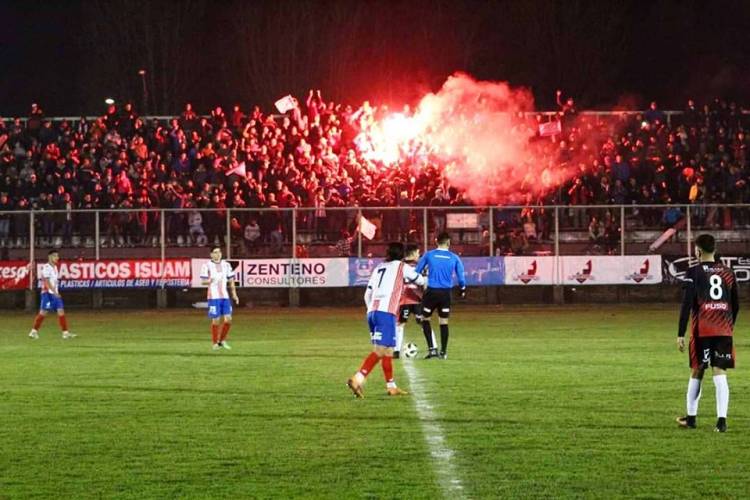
[
  {"x": 14, "y": 275},
  {"x": 284, "y": 273},
  {"x": 528, "y": 271},
  {"x": 142, "y": 273},
  {"x": 479, "y": 271},
  {"x": 611, "y": 270},
  {"x": 295, "y": 273},
  {"x": 676, "y": 266}
]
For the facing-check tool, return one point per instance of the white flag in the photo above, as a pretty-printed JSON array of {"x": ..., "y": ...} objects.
[
  {"x": 550, "y": 128},
  {"x": 367, "y": 228},
  {"x": 238, "y": 170},
  {"x": 285, "y": 104}
]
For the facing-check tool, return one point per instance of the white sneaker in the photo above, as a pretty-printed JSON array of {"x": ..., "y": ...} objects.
[
  {"x": 225, "y": 345},
  {"x": 68, "y": 335},
  {"x": 216, "y": 347},
  {"x": 33, "y": 335}
]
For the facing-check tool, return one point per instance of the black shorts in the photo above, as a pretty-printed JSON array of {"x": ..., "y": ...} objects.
[
  {"x": 408, "y": 310},
  {"x": 436, "y": 299},
  {"x": 714, "y": 351}
]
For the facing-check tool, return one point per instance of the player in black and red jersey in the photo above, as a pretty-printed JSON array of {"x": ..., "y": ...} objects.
[
  {"x": 411, "y": 300},
  {"x": 711, "y": 299}
]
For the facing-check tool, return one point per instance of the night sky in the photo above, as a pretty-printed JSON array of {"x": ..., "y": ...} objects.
[{"x": 68, "y": 56}]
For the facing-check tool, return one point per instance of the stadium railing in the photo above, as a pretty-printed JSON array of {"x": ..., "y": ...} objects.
[{"x": 335, "y": 232}]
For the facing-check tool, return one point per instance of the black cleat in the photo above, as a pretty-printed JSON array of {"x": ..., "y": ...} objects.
[
  {"x": 432, "y": 354},
  {"x": 721, "y": 425},
  {"x": 443, "y": 355},
  {"x": 396, "y": 354},
  {"x": 687, "y": 422}
]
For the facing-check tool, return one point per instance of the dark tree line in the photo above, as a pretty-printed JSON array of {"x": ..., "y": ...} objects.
[{"x": 222, "y": 52}]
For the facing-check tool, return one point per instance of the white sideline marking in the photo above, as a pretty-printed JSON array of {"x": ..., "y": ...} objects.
[{"x": 442, "y": 455}]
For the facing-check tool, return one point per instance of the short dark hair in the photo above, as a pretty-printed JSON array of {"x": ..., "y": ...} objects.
[
  {"x": 51, "y": 252},
  {"x": 215, "y": 248},
  {"x": 443, "y": 238},
  {"x": 410, "y": 249},
  {"x": 706, "y": 243},
  {"x": 395, "y": 251}
]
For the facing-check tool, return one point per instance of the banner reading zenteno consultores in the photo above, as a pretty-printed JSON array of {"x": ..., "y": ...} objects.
[
  {"x": 284, "y": 273},
  {"x": 142, "y": 273}
]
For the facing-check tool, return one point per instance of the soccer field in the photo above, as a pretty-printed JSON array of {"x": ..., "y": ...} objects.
[{"x": 533, "y": 402}]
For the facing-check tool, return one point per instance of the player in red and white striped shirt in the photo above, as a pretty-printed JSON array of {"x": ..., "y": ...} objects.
[
  {"x": 217, "y": 274},
  {"x": 50, "y": 299},
  {"x": 383, "y": 299}
]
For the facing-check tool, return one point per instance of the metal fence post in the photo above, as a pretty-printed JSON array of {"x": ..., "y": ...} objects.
[
  {"x": 32, "y": 244},
  {"x": 557, "y": 231},
  {"x": 229, "y": 234},
  {"x": 294, "y": 232},
  {"x": 689, "y": 231},
  {"x": 359, "y": 233},
  {"x": 424, "y": 228},
  {"x": 97, "y": 241},
  {"x": 622, "y": 230},
  {"x": 163, "y": 236},
  {"x": 492, "y": 231}
]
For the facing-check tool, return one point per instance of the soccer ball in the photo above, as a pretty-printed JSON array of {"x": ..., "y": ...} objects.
[{"x": 411, "y": 350}]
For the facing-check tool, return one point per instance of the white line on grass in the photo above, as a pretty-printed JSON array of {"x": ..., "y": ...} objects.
[{"x": 442, "y": 455}]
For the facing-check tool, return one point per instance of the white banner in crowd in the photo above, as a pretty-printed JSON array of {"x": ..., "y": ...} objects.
[
  {"x": 611, "y": 270},
  {"x": 530, "y": 270}
]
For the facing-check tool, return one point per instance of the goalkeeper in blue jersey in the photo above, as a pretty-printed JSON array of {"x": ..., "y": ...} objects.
[{"x": 440, "y": 263}]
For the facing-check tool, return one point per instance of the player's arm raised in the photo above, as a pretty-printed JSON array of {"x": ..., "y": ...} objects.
[{"x": 688, "y": 298}]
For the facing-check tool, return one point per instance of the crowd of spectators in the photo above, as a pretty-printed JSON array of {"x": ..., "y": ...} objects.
[{"x": 307, "y": 159}]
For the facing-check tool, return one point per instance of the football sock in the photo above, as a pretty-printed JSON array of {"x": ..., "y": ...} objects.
[
  {"x": 429, "y": 338},
  {"x": 225, "y": 331},
  {"x": 722, "y": 395},
  {"x": 63, "y": 323},
  {"x": 443, "y": 338},
  {"x": 368, "y": 364},
  {"x": 38, "y": 322},
  {"x": 388, "y": 368},
  {"x": 399, "y": 336},
  {"x": 214, "y": 333},
  {"x": 693, "y": 396}
]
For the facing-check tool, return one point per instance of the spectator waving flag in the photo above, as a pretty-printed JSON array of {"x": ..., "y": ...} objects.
[
  {"x": 367, "y": 228},
  {"x": 285, "y": 104},
  {"x": 550, "y": 128}
]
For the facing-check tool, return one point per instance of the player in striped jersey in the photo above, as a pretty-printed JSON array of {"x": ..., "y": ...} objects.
[
  {"x": 712, "y": 301},
  {"x": 411, "y": 301},
  {"x": 217, "y": 274},
  {"x": 383, "y": 299},
  {"x": 51, "y": 300}
]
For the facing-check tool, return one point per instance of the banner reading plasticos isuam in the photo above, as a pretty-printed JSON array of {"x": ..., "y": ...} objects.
[{"x": 144, "y": 273}]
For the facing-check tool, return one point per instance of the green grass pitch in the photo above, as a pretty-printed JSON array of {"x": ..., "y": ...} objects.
[{"x": 534, "y": 403}]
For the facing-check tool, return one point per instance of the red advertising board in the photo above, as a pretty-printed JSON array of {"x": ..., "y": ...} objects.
[{"x": 14, "y": 274}]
